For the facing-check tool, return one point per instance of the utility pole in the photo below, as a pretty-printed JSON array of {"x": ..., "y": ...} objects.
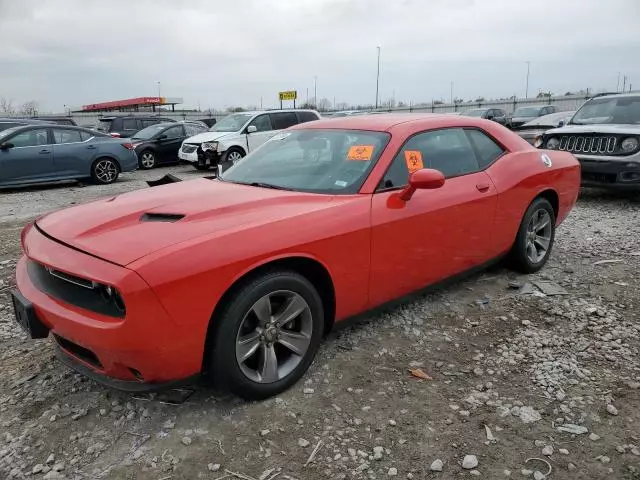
[
  {"x": 624, "y": 83},
  {"x": 378, "y": 78},
  {"x": 261, "y": 102},
  {"x": 158, "y": 97},
  {"x": 526, "y": 91},
  {"x": 307, "y": 102},
  {"x": 451, "y": 91},
  {"x": 618, "y": 84}
]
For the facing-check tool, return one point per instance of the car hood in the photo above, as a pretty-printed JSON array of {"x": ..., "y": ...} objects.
[
  {"x": 596, "y": 128},
  {"x": 127, "y": 227},
  {"x": 208, "y": 137}
]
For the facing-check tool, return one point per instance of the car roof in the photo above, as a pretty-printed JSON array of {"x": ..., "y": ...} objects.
[
  {"x": 386, "y": 121},
  {"x": 617, "y": 95},
  {"x": 113, "y": 117},
  {"x": 26, "y": 121},
  {"x": 288, "y": 110}
]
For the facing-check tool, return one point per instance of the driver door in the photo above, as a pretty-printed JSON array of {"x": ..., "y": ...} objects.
[
  {"x": 30, "y": 158},
  {"x": 437, "y": 233},
  {"x": 168, "y": 147},
  {"x": 264, "y": 131}
]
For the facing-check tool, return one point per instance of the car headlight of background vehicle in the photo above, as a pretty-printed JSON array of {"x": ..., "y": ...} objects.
[
  {"x": 537, "y": 141},
  {"x": 553, "y": 143},
  {"x": 209, "y": 146},
  {"x": 629, "y": 144}
]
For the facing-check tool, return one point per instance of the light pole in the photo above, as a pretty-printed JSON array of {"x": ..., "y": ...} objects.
[
  {"x": 315, "y": 91},
  {"x": 618, "y": 84},
  {"x": 378, "y": 78},
  {"x": 451, "y": 91},
  {"x": 526, "y": 91},
  {"x": 158, "y": 96}
]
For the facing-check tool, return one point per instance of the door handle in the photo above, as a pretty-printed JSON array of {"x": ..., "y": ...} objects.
[
  {"x": 45, "y": 151},
  {"x": 91, "y": 147},
  {"x": 482, "y": 187}
]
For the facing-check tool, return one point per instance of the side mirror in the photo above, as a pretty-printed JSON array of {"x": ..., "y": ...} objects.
[
  {"x": 561, "y": 123},
  {"x": 424, "y": 179},
  {"x": 162, "y": 137},
  {"x": 6, "y": 146},
  {"x": 252, "y": 129}
]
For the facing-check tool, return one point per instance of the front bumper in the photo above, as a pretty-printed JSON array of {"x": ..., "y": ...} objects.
[
  {"x": 143, "y": 350},
  {"x": 614, "y": 174}
]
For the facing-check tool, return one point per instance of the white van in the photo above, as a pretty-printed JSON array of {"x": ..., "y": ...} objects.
[{"x": 236, "y": 135}]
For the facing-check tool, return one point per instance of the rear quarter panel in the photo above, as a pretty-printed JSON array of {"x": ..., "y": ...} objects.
[
  {"x": 520, "y": 177},
  {"x": 127, "y": 159}
]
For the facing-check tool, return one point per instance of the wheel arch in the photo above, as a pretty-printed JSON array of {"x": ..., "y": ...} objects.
[
  {"x": 308, "y": 267},
  {"x": 552, "y": 197},
  {"x": 235, "y": 146}
]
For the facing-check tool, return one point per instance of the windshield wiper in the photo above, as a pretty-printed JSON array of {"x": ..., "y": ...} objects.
[{"x": 268, "y": 185}]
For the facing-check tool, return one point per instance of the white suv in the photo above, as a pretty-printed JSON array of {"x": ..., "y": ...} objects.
[{"x": 236, "y": 135}]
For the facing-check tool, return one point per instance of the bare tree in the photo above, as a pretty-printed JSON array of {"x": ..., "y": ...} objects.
[
  {"x": 324, "y": 105},
  {"x": 30, "y": 108},
  {"x": 6, "y": 106}
]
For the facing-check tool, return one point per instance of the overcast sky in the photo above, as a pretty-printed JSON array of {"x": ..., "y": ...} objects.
[{"x": 225, "y": 53}]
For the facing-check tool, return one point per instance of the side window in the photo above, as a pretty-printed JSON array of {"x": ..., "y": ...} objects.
[
  {"x": 487, "y": 150},
  {"x": 174, "y": 132},
  {"x": 500, "y": 113},
  {"x": 283, "y": 120},
  {"x": 147, "y": 123},
  {"x": 191, "y": 129},
  {"x": 306, "y": 117},
  {"x": 85, "y": 135},
  {"x": 262, "y": 123},
  {"x": 129, "y": 124},
  {"x": 447, "y": 150},
  {"x": 62, "y": 135},
  {"x": 30, "y": 138}
]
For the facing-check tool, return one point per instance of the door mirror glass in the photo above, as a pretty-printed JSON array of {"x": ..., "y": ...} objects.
[
  {"x": 252, "y": 129},
  {"x": 424, "y": 179},
  {"x": 6, "y": 146},
  {"x": 561, "y": 123}
]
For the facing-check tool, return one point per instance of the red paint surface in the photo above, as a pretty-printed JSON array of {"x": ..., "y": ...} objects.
[
  {"x": 374, "y": 246},
  {"x": 130, "y": 102}
]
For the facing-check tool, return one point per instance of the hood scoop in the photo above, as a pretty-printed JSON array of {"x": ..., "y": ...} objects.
[{"x": 161, "y": 217}]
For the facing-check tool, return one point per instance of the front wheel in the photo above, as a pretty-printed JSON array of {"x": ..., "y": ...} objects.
[
  {"x": 268, "y": 335},
  {"x": 535, "y": 237},
  {"x": 105, "y": 171},
  {"x": 147, "y": 160},
  {"x": 232, "y": 156}
]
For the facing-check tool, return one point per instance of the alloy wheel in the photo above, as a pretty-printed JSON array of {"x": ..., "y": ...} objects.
[
  {"x": 538, "y": 237},
  {"x": 234, "y": 157},
  {"x": 148, "y": 160},
  {"x": 106, "y": 171},
  {"x": 274, "y": 336}
]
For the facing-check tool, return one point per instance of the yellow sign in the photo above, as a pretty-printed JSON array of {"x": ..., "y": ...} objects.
[{"x": 290, "y": 95}]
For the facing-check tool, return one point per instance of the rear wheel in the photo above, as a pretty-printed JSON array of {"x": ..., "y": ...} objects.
[
  {"x": 105, "y": 171},
  {"x": 232, "y": 156},
  {"x": 268, "y": 335},
  {"x": 147, "y": 160},
  {"x": 535, "y": 237}
]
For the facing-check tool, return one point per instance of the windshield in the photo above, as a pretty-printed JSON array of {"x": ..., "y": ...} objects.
[
  {"x": 231, "y": 123},
  {"x": 103, "y": 125},
  {"x": 149, "y": 132},
  {"x": 475, "y": 113},
  {"x": 320, "y": 161},
  {"x": 527, "y": 112},
  {"x": 615, "y": 110},
  {"x": 9, "y": 131}
]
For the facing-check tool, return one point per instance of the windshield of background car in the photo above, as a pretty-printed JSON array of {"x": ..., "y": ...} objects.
[
  {"x": 103, "y": 125},
  {"x": 527, "y": 112},
  {"x": 8, "y": 132},
  {"x": 318, "y": 161},
  {"x": 621, "y": 110},
  {"x": 231, "y": 123},
  {"x": 475, "y": 113},
  {"x": 149, "y": 132}
]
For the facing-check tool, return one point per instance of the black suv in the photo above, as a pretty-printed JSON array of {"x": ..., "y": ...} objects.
[{"x": 127, "y": 126}]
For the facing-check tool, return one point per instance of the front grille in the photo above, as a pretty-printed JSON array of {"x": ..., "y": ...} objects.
[
  {"x": 594, "y": 145},
  {"x": 75, "y": 290},
  {"x": 189, "y": 148}
]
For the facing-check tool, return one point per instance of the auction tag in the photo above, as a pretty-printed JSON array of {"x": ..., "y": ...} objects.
[
  {"x": 360, "y": 152},
  {"x": 414, "y": 160}
]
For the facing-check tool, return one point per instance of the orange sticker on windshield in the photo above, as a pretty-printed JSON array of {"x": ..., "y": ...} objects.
[
  {"x": 360, "y": 153},
  {"x": 414, "y": 160}
]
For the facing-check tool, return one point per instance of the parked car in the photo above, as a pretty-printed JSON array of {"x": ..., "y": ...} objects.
[
  {"x": 604, "y": 134},
  {"x": 536, "y": 127},
  {"x": 46, "y": 153},
  {"x": 496, "y": 114},
  {"x": 58, "y": 119},
  {"x": 10, "y": 122},
  {"x": 238, "y": 134},
  {"x": 209, "y": 122},
  {"x": 160, "y": 143},
  {"x": 127, "y": 126},
  {"x": 523, "y": 115},
  {"x": 241, "y": 276}
]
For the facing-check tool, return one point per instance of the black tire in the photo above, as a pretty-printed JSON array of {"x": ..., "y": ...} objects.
[
  {"x": 147, "y": 160},
  {"x": 105, "y": 171},
  {"x": 225, "y": 369},
  {"x": 201, "y": 167},
  {"x": 228, "y": 156},
  {"x": 521, "y": 252}
]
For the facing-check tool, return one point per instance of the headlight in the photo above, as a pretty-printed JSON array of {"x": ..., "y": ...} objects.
[
  {"x": 537, "y": 142},
  {"x": 553, "y": 143},
  {"x": 629, "y": 144},
  {"x": 209, "y": 146}
]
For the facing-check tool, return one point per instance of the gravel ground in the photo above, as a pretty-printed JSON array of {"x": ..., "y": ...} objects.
[{"x": 517, "y": 383}]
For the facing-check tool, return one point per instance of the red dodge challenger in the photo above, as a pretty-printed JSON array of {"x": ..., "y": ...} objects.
[{"x": 239, "y": 277}]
